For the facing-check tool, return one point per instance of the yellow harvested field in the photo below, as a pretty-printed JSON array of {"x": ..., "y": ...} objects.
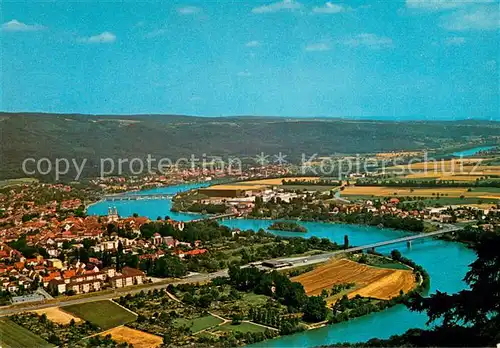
[
  {"x": 492, "y": 196},
  {"x": 399, "y": 154},
  {"x": 381, "y": 283},
  {"x": 277, "y": 181},
  {"x": 388, "y": 286},
  {"x": 138, "y": 339},
  {"x": 258, "y": 184},
  {"x": 430, "y": 169},
  {"x": 441, "y": 165},
  {"x": 383, "y": 191},
  {"x": 57, "y": 315},
  {"x": 444, "y": 176}
]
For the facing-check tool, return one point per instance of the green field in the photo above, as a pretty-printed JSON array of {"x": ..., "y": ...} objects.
[
  {"x": 198, "y": 324},
  {"x": 243, "y": 327},
  {"x": 486, "y": 189},
  {"x": 15, "y": 336},
  {"x": 380, "y": 262},
  {"x": 391, "y": 265},
  {"x": 105, "y": 314}
]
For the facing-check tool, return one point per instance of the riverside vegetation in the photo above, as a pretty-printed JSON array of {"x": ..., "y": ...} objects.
[
  {"x": 287, "y": 226},
  {"x": 308, "y": 210}
]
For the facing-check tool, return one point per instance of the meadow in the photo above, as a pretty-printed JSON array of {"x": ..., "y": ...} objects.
[
  {"x": 198, "y": 324},
  {"x": 242, "y": 327},
  {"x": 15, "y": 336},
  {"x": 105, "y": 314}
]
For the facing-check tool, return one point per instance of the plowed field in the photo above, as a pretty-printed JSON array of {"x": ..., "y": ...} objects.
[{"x": 381, "y": 283}]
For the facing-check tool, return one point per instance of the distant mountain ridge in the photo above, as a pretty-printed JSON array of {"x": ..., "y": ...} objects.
[{"x": 93, "y": 137}]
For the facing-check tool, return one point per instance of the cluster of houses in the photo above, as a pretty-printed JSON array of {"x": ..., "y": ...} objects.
[
  {"x": 44, "y": 226},
  {"x": 448, "y": 214},
  {"x": 80, "y": 280},
  {"x": 60, "y": 235},
  {"x": 20, "y": 275}
]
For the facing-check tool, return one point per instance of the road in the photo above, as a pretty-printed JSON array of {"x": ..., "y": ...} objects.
[{"x": 198, "y": 278}]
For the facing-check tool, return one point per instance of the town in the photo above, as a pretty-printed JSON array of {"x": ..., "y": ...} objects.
[{"x": 50, "y": 246}]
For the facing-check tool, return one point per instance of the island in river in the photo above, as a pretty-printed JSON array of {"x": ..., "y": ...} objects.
[{"x": 287, "y": 226}]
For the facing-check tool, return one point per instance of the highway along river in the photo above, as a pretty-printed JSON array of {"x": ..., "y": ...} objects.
[{"x": 446, "y": 263}]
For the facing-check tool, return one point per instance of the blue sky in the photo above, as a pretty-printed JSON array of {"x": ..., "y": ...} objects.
[{"x": 425, "y": 59}]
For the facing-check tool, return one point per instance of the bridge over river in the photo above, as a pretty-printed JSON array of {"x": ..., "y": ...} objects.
[
  {"x": 301, "y": 260},
  {"x": 408, "y": 239}
]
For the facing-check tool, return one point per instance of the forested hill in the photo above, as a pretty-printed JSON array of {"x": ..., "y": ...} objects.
[{"x": 97, "y": 136}]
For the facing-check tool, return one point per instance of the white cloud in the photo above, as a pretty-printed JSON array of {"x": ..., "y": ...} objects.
[
  {"x": 15, "y": 25},
  {"x": 284, "y": 5},
  {"x": 478, "y": 18},
  {"x": 253, "y": 43},
  {"x": 368, "y": 40},
  {"x": 436, "y": 5},
  {"x": 319, "y": 46},
  {"x": 105, "y": 37},
  {"x": 330, "y": 8},
  {"x": 189, "y": 10},
  {"x": 155, "y": 33},
  {"x": 244, "y": 74},
  {"x": 454, "y": 41}
]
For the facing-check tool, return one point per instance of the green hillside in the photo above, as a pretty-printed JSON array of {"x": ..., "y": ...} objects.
[{"x": 94, "y": 137}]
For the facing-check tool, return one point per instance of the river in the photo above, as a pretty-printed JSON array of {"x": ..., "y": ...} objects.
[
  {"x": 446, "y": 263},
  {"x": 472, "y": 152}
]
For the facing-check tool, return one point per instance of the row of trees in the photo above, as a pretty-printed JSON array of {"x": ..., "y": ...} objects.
[
  {"x": 480, "y": 182},
  {"x": 287, "y": 324},
  {"x": 206, "y": 208},
  {"x": 193, "y": 231},
  {"x": 320, "y": 182},
  {"x": 385, "y": 220},
  {"x": 164, "y": 267},
  {"x": 305, "y": 210}
]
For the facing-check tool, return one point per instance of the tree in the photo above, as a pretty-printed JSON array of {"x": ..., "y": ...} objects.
[
  {"x": 315, "y": 309},
  {"x": 83, "y": 255},
  {"x": 119, "y": 254},
  {"x": 54, "y": 339},
  {"x": 167, "y": 339},
  {"x": 346, "y": 241},
  {"x": 396, "y": 255},
  {"x": 470, "y": 317},
  {"x": 236, "y": 318},
  {"x": 324, "y": 293},
  {"x": 167, "y": 266},
  {"x": 363, "y": 259}
]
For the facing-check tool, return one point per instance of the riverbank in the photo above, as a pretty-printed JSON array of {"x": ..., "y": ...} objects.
[{"x": 446, "y": 263}]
